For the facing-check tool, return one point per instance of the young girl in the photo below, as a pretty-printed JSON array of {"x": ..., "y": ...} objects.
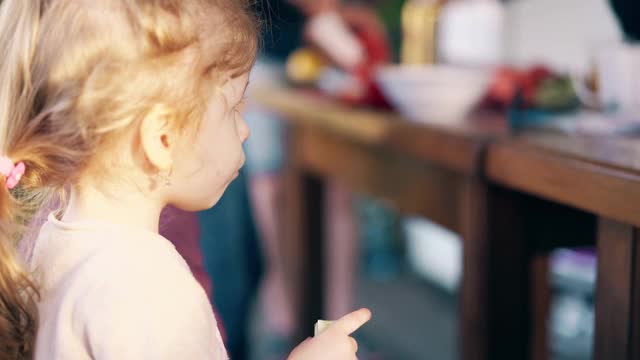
[{"x": 127, "y": 105}]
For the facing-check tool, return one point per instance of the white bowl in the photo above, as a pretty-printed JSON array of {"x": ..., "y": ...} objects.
[{"x": 434, "y": 93}]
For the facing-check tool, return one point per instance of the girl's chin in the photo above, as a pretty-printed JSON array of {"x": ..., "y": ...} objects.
[{"x": 206, "y": 200}]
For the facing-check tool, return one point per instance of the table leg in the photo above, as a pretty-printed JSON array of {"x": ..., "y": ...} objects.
[
  {"x": 617, "y": 292},
  {"x": 340, "y": 251},
  {"x": 495, "y": 302},
  {"x": 302, "y": 243},
  {"x": 541, "y": 306}
]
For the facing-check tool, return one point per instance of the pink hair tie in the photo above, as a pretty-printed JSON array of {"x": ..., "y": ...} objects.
[{"x": 12, "y": 172}]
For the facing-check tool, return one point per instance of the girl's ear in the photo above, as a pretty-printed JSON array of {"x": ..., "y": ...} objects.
[{"x": 157, "y": 137}]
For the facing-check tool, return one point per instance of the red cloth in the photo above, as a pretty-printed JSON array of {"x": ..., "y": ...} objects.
[{"x": 183, "y": 230}]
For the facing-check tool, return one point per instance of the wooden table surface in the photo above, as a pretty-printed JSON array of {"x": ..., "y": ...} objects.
[
  {"x": 457, "y": 146},
  {"x": 599, "y": 175},
  {"x": 435, "y": 171},
  {"x": 504, "y": 194},
  {"x": 596, "y": 174}
]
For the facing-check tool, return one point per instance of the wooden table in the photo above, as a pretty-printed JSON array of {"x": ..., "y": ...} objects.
[
  {"x": 433, "y": 171},
  {"x": 512, "y": 199},
  {"x": 601, "y": 177}
]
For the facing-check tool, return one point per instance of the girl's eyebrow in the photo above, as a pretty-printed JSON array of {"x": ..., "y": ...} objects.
[{"x": 245, "y": 87}]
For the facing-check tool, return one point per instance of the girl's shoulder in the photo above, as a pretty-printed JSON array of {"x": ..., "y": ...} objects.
[
  {"x": 143, "y": 293},
  {"x": 127, "y": 293},
  {"x": 112, "y": 260},
  {"x": 141, "y": 263}
]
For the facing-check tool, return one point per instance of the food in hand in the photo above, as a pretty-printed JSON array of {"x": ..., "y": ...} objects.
[
  {"x": 335, "y": 342},
  {"x": 321, "y": 326}
]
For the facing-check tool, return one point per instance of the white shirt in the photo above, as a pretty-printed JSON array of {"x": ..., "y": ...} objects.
[{"x": 116, "y": 292}]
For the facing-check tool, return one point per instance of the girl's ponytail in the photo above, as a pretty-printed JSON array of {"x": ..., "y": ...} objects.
[{"x": 19, "y": 23}]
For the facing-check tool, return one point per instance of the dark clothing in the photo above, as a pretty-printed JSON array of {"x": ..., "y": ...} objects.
[
  {"x": 281, "y": 30},
  {"x": 232, "y": 257},
  {"x": 628, "y": 13}
]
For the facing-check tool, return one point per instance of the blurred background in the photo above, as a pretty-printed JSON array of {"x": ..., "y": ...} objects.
[{"x": 535, "y": 63}]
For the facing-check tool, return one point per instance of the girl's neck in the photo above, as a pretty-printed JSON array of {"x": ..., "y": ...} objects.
[{"x": 88, "y": 203}]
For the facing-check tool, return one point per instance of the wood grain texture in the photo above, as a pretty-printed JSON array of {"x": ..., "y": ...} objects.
[
  {"x": 578, "y": 182},
  {"x": 541, "y": 306},
  {"x": 458, "y": 146},
  {"x": 495, "y": 294},
  {"x": 599, "y": 176},
  {"x": 409, "y": 186},
  {"x": 614, "y": 152},
  {"x": 546, "y": 192},
  {"x": 302, "y": 242},
  {"x": 617, "y": 304}
]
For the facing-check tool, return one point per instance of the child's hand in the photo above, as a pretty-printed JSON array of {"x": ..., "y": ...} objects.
[{"x": 335, "y": 343}]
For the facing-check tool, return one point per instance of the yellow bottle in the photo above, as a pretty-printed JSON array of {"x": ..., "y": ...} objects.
[{"x": 419, "y": 24}]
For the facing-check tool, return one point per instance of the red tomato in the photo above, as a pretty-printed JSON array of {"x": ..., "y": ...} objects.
[
  {"x": 505, "y": 85},
  {"x": 531, "y": 81}
]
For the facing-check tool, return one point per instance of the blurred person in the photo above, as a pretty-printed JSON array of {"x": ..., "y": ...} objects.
[{"x": 232, "y": 256}]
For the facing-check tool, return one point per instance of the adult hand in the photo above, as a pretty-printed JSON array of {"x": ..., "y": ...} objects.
[{"x": 346, "y": 35}]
